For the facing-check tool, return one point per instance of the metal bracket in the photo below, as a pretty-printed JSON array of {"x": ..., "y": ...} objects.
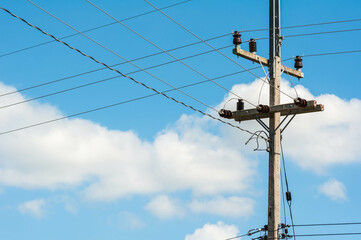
[
  {"x": 279, "y": 125},
  {"x": 288, "y": 122},
  {"x": 262, "y": 124}
]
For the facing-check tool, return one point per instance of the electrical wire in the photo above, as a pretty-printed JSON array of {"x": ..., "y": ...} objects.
[
  {"x": 283, "y": 200},
  {"x": 331, "y": 53},
  {"x": 326, "y": 224},
  {"x": 239, "y": 236},
  {"x": 105, "y": 65},
  {"x": 289, "y": 203},
  {"x": 289, "y": 77},
  {"x": 139, "y": 15},
  {"x": 328, "y": 234},
  {"x": 155, "y": 45},
  {"x": 92, "y": 29},
  {"x": 109, "y": 50},
  {"x": 314, "y": 33},
  {"x": 95, "y": 70},
  {"x": 99, "y": 69},
  {"x": 215, "y": 48},
  {"x": 115, "y": 77}
]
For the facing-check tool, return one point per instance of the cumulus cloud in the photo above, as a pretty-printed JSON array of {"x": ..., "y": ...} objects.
[
  {"x": 109, "y": 164},
  {"x": 130, "y": 220},
  {"x": 33, "y": 208},
  {"x": 214, "y": 232},
  {"x": 165, "y": 208},
  {"x": 333, "y": 189},
  {"x": 229, "y": 207}
]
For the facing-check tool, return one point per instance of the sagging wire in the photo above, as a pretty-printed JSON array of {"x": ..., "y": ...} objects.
[
  {"x": 112, "y": 69},
  {"x": 257, "y": 135},
  {"x": 224, "y": 105},
  {"x": 166, "y": 52},
  {"x": 290, "y": 80},
  {"x": 288, "y": 193},
  {"x": 266, "y": 75}
]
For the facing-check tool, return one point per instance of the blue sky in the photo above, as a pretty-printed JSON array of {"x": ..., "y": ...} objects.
[{"x": 152, "y": 168}]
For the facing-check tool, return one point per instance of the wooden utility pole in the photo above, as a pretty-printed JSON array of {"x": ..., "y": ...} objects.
[
  {"x": 274, "y": 176},
  {"x": 274, "y": 111}
]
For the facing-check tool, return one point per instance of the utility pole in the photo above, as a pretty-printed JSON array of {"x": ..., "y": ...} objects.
[
  {"x": 274, "y": 111},
  {"x": 274, "y": 176}
]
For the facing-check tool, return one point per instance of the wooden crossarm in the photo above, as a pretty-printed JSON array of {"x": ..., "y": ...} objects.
[
  {"x": 258, "y": 59},
  {"x": 284, "y": 109}
]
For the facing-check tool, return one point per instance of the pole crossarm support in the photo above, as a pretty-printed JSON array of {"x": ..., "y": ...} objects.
[
  {"x": 283, "y": 109},
  {"x": 258, "y": 59}
]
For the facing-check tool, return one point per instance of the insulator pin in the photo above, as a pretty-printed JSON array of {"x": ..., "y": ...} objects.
[
  {"x": 300, "y": 102},
  {"x": 252, "y": 46},
  {"x": 237, "y": 38},
  {"x": 240, "y": 105},
  {"x": 263, "y": 108},
  {"x": 225, "y": 113},
  {"x": 288, "y": 196},
  {"x": 298, "y": 63}
]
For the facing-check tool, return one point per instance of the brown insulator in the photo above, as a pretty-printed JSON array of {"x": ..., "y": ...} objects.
[
  {"x": 240, "y": 105},
  {"x": 225, "y": 113},
  {"x": 237, "y": 38},
  {"x": 298, "y": 63},
  {"x": 252, "y": 46},
  {"x": 263, "y": 108},
  {"x": 300, "y": 102}
]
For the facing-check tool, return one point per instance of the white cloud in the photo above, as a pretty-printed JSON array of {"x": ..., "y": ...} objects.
[
  {"x": 130, "y": 220},
  {"x": 165, "y": 208},
  {"x": 214, "y": 232},
  {"x": 230, "y": 207},
  {"x": 333, "y": 189},
  {"x": 33, "y": 208},
  {"x": 109, "y": 164}
]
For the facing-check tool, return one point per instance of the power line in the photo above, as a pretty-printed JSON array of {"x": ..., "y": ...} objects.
[
  {"x": 115, "y": 77},
  {"x": 111, "y": 51},
  {"x": 117, "y": 104},
  {"x": 99, "y": 69},
  {"x": 327, "y": 224},
  {"x": 327, "y": 234},
  {"x": 105, "y": 65},
  {"x": 139, "y": 15},
  {"x": 331, "y": 53},
  {"x": 214, "y": 48},
  {"x": 169, "y": 54},
  {"x": 289, "y": 202},
  {"x": 91, "y": 29},
  {"x": 95, "y": 70},
  {"x": 328, "y": 32}
]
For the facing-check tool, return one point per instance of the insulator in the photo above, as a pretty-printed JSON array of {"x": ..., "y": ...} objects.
[
  {"x": 288, "y": 196},
  {"x": 286, "y": 230},
  {"x": 237, "y": 38},
  {"x": 298, "y": 63},
  {"x": 225, "y": 113},
  {"x": 300, "y": 102},
  {"x": 240, "y": 105},
  {"x": 263, "y": 108},
  {"x": 283, "y": 236},
  {"x": 252, "y": 46}
]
